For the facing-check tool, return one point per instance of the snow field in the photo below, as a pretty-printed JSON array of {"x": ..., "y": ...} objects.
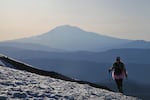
[{"x": 21, "y": 85}]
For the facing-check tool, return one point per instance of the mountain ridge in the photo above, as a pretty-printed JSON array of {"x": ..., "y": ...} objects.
[{"x": 10, "y": 62}]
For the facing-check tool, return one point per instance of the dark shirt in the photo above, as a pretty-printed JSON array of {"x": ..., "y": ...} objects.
[{"x": 118, "y": 68}]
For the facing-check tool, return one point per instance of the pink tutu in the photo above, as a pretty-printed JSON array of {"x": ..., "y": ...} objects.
[{"x": 121, "y": 76}]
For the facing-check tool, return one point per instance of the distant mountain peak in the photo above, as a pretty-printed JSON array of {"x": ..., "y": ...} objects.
[
  {"x": 66, "y": 28},
  {"x": 72, "y": 38}
]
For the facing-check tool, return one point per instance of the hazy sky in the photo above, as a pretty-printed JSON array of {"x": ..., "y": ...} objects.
[{"x": 119, "y": 18}]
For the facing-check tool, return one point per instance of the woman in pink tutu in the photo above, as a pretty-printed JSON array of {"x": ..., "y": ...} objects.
[{"x": 118, "y": 73}]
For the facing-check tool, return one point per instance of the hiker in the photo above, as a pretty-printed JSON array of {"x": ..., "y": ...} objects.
[{"x": 118, "y": 73}]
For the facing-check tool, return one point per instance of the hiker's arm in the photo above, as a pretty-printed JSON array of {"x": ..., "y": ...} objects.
[{"x": 110, "y": 69}]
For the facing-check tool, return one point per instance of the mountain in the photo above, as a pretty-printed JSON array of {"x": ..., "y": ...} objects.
[
  {"x": 16, "y": 84},
  {"x": 69, "y": 38},
  {"x": 74, "y": 39}
]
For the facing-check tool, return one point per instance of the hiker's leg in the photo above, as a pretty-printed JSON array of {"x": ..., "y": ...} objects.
[
  {"x": 117, "y": 82},
  {"x": 120, "y": 85}
]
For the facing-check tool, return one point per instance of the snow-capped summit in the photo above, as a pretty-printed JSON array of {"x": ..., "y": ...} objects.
[{"x": 16, "y": 84}]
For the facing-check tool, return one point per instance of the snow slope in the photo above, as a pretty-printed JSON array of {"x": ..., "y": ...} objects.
[{"x": 16, "y": 84}]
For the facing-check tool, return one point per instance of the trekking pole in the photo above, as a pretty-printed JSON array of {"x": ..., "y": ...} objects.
[{"x": 109, "y": 75}]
